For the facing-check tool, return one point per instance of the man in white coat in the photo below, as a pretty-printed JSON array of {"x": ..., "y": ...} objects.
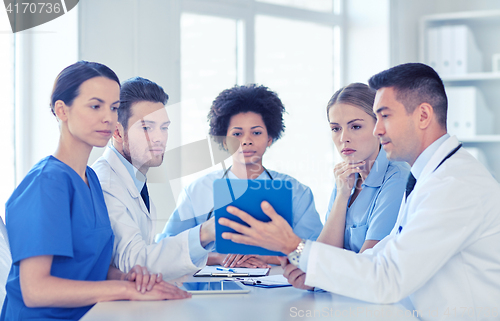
[
  {"x": 444, "y": 251},
  {"x": 139, "y": 143}
]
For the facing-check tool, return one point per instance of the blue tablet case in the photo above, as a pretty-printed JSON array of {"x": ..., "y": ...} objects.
[{"x": 247, "y": 195}]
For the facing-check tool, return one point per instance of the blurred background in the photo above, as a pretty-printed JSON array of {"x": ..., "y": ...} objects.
[{"x": 302, "y": 49}]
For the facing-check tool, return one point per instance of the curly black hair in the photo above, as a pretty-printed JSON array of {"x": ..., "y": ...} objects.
[{"x": 248, "y": 98}]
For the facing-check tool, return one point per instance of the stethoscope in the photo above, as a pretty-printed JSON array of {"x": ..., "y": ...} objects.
[
  {"x": 225, "y": 176},
  {"x": 400, "y": 228}
]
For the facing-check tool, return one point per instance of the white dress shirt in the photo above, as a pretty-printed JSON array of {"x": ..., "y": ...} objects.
[{"x": 445, "y": 257}]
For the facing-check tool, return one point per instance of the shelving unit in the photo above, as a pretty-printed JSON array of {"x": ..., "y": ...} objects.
[
  {"x": 481, "y": 139},
  {"x": 477, "y": 76},
  {"x": 485, "y": 28}
]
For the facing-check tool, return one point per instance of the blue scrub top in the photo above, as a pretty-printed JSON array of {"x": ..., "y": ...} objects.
[
  {"x": 196, "y": 201},
  {"x": 374, "y": 212},
  {"x": 53, "y": 212}
]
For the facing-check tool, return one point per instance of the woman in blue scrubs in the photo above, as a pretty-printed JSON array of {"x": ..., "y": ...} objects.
[
  {"x": 368, "y": 188},
  {"x": 59, "y": 231},
  {"x": 244, "y": 120}
]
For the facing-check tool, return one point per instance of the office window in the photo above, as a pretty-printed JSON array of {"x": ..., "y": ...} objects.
[
  {"x": 296, "y": 60},
  {"x": 7, "y": 181},
  {"x": 292, "y": 47},
  {"x": 316, "y": 5},
  {"x": 208, "y": 65}
]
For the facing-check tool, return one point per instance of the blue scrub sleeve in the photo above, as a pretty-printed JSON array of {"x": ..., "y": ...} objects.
[
  {"x": 38, "y": 220},
  {"x": 386, "y": 208},
  {"x": 330, "y": 203},
  {"x": 175, "y": 225},
  {"x": 307, "y": 224},
  {"x": 196, "y": 251}
]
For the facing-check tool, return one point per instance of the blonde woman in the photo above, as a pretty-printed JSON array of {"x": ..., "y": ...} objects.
[{"x": 368, "y": 187}]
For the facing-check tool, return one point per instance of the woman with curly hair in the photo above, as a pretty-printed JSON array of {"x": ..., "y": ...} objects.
[{"x": 244, "y": 120}]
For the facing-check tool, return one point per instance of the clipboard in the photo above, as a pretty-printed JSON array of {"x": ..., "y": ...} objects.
[
  {"x": 219, "y": 271},
  {"x": 268, "y": 282}
]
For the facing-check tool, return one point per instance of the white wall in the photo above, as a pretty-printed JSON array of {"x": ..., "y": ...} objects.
[
  {"x": 134, "y": 40},
  {"x": 367, "y": 39},
  {"x": 42, "y": 52},
  {"x": 145, "y": 42},
  {"x": 137, "y": 40},
  {"x": 6, "y": 121}
]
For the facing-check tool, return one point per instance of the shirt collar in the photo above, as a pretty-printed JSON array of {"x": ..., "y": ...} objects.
[
  {"x": 377, "y": 173},
  {"x": 262, "y": 175},
  {"x": 426, "y": 155},
  {"x": 138, "y": 177}
]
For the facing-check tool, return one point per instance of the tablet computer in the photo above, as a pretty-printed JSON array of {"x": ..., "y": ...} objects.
[
  {"x": 247, "y": 195},
  {"x": 218, "y": 287}
]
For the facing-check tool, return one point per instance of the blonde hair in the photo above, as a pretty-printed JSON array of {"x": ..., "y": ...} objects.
[{"x": 355, "y": 94}]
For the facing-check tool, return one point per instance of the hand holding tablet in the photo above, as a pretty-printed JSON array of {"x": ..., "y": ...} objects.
[{"x": 247, "y": 195}]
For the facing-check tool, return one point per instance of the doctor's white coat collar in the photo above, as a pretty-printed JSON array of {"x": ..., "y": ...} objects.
[
  {"x": 138, "y": 177},
  {"x": 427, "y": 155},
  {"x": 433, "y": 160},
  {"x": 120, "y": 169}
]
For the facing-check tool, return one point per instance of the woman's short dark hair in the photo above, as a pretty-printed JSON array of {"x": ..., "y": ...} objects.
[
  {"x": 242, "y": 99},
  {"x": 138, "y": 89},
  {"x": 355, "y": 94},
  {"x": 68, "y": 82}
]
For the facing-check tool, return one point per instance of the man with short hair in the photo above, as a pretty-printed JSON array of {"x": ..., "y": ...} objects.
[
  {"x": 139, "y": 143},
  {"x": 444, "y": 251}
]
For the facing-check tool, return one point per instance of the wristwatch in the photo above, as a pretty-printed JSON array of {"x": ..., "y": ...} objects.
[{"x": 294, "y": 257}]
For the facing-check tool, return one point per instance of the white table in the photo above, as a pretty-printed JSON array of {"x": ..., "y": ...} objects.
[{"x": 260, "y": 304}]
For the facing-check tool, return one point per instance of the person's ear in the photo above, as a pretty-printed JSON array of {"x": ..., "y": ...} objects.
[
  {"x": 269, "y": 141},
  {"x": 61, "y": 110},
  {"x": 425, "y": 115},
  {"x": 119, "y": 133},
  {"x": 224, "y": 143}
]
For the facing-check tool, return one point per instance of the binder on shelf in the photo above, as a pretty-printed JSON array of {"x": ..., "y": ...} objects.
[
  {"x": 433, "y": 47},
  {"x": 452, "y": 50},
  {"x": 468, "y": 115},
  {"x": 467, "y": 57},
  {"x": 446, "y": 51},
  {"x": 495, "y": 62}
]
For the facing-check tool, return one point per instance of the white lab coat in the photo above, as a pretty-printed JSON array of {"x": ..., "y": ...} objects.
[
  {"x": 447, "y": 256},
  {"x": 134, "y": 226}
]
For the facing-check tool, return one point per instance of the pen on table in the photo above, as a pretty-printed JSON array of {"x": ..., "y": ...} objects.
[
  {"x": 249, "y": 281},
  {"x": 226, "y": 270}
]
